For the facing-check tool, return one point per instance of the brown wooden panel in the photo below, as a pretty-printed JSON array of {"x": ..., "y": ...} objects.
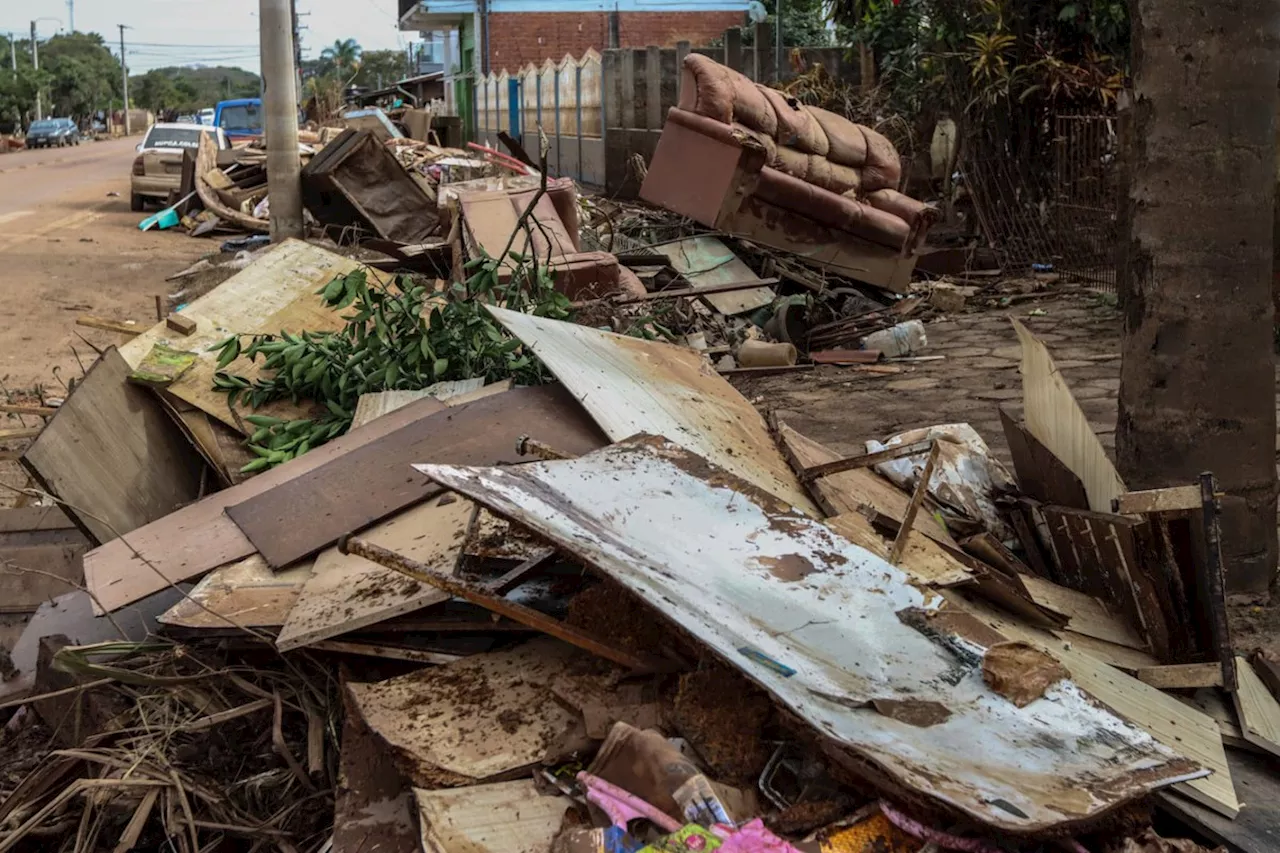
[
  {"x": 1041, "y": 475},
  {"x": 298, "y": 518},
  {"x": 113, "y": 455}
]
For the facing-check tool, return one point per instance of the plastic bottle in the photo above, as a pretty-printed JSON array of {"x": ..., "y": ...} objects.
[{"x": 903, "y": 339}]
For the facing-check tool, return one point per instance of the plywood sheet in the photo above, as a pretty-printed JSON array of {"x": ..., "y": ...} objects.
[
  {"x": 113, "y": 455},
  {"x": 369, "y": 484},
  {"x": 505, "y": 817},
  {"x": 277, "y": 292},
  {"x": 1258, "y": 710},
  {"x": 485, "y": 718},
  {"x": 707, "y": 261},
  {"x": 200, "y": 537},
  {"x": 1169, "y": 721},
  {"x": 33, "y": 574},
  {"x": 1054, "y": 417},
  {"x": 816, "y": 621},
  {"x": 346, "y": 593},
  {"x": 1086, "y": 614},
  {"x": 245, "y": 593},
  {"x": 631, "y": 386},
  {"x": 1041, "y": 475},
  {"x": 850, "y": 491}
]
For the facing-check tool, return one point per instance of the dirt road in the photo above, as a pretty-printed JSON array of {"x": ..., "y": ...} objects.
[{"x": 68, "y": 246}]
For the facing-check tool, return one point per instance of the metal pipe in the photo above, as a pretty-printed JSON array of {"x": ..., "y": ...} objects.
[{"x": 284, "y": 186}]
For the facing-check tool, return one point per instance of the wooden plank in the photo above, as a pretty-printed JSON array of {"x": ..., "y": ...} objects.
[
  {"x": 31, "y": 519},
  {"x": 866, "y": 460},
  {"x": 923, "y": 559},
  {"x": 1181, "y": 676},
  {"x": 384, "y": 651},
  {"x": 505, "y": 817},
  {"x": 113, "y": 456},
  {"x": 505, "y": 696},
  {"x": 1085, "y": 614},
  {"x": 373, "y": 807},
  {"x": 346, "y": 593},
  {"x": 1054, "y": 417},
  {"x": 372, "y": 482},
  {"x": 1173, "y": 499},
  {"x": 106, "y": 324},
  {"x": 1113, "y": 654},
  {"x": 244, "y": 593},
  {"x": 200, "y": 537},
  {"x": 33, "y": 574},
  {"x": 849, "y": 491},
  {"x": 478, "y": 594},
  {"x": 277, "y": 292},
  {"x": 1258, "y": 710},
  {"x": 39, "y": 411},
  {"x": 700, "y": 290},
  {"x": 1184, "y": 730},
  {"x": 1257, "y": 828},
  {"x": 19, "y": 433},
  {"x": 1041, "y": 475},
  {"x": 913, "y": 507},
  {"x": 379, "y": 403}
]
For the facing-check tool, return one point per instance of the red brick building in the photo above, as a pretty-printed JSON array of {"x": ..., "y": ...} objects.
[{"x": 519, "y": 38}]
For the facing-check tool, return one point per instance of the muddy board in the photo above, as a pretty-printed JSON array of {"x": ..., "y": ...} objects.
[{"x": 369, "y": 484}]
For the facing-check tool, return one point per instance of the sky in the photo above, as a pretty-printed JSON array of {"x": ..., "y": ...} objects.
[{"x": 208, "y": 32}]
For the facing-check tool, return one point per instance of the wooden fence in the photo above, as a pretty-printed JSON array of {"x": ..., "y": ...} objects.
[{"x": 599, "y": 111}]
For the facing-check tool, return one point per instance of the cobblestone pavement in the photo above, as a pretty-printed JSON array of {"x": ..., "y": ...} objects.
[{"x": 978, "y": 375}]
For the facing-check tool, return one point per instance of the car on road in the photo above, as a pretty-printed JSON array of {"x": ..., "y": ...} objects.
[
  {"x": 158, "y": 167},
  {"x": 50, "y": 132},
  {"x": 186, "y": 119},
  {"x": 240, "y": 118},
  {"x": 206, "y": 116}
]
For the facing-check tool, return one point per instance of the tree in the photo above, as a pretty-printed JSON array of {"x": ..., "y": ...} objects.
[
  {"x": 1197, "y": 380},
  {"x": 342, "y": 57},
  {"x": 155, "y": 91},
  {"x": 380, "y": 68},
  {"x": 84, "y": 76}
]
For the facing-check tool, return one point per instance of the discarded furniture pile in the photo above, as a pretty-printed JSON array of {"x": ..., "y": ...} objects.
[
  {"x": 469, "y": 544},
  {"x": 613, "y": 608}
]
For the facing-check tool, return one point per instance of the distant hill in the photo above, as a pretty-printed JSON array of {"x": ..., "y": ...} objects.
[{"x": 204, "y": 86}]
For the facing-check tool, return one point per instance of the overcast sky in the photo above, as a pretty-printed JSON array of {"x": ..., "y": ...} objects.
[{"x": 209, "y": 32}]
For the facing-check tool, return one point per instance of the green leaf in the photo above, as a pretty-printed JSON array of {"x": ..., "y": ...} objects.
[
  {"x": 440, "y": 367},
  {"x": 256, "y": 465},
  {"x": 393, "y": 373},
  {"x": 1069, "y": 12},
  {"x": 229, "y": 354}
]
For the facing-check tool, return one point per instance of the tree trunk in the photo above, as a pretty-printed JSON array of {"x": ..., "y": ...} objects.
[{"x": 1197, "y": 383}]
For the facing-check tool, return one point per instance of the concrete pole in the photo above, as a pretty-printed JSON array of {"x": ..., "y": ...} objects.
[
  {"x": 35, "y": 66},
  {"x": 284, "y": 186},
  {"x": 777, "y": 44},
  {"x": 124, "y": 71},
  {"x": 447, "y": 60}
]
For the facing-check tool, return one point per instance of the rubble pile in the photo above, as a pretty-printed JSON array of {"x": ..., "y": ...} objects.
[{"x": 470, "y": 546}]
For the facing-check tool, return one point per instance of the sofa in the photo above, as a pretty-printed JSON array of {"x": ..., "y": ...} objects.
[{"x": 751, "y": 161}]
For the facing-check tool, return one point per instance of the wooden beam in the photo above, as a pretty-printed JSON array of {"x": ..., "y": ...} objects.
[
  {"x": 108, "y": 325},
  {"x": 1182, "y": 676},
  {"x": 484, "y": 597},
  {"x": 676, "y": 293},
  {"x": 1176, "y": 499},
  {"x": 917, "y": 498},
  {"x": 867, "y": 460},
  {"x": 37, "y": 411},
  {"x": 19, "y": 432}
]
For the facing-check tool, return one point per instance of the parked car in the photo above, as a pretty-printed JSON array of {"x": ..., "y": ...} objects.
[
  {"x": 158, "y": 167},
  {"x": 48, "y": 132},
  {"x": 186, "y": 119},
  {"x": 206, "y": 116},
  {"x": 240, "y": 118}
]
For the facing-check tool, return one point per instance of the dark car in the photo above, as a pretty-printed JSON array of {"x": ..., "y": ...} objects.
[{"x": 49, "y": 132}]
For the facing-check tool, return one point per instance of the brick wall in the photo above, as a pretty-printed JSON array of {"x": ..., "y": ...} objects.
[{"x": 518, "y": 38}]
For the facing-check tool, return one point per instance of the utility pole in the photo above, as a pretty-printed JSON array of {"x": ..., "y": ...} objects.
[
  {"x": 284, "y": 186},
  {"x": 124, "y": 71},
  {"x": 71, "y": 15},
  {"x": 777, "y": 44},
  {"x": 35, "y": 66},
  {"x": 297, "y": 50},
  {"x": 13, "y": 55}
]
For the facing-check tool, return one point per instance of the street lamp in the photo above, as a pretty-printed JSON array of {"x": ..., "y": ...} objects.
[{"x": 35, "y": 57}]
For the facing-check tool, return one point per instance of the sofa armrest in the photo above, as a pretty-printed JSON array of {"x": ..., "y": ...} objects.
[{"x": 918, "y": 215}]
